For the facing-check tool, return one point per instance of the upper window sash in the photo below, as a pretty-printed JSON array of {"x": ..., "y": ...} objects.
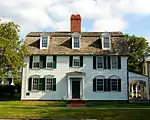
[{"x": 76, "y": 42}]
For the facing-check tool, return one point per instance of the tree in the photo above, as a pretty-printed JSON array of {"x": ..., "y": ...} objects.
[
  {"x": 137, "y": 47},
  {"x": 12, "y": 50}
]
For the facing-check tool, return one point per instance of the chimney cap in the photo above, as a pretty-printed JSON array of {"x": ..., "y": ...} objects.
[{"x": 75, "y": 17}]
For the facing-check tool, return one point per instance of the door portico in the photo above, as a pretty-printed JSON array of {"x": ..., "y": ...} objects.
[{"x": 75, "y": 82}]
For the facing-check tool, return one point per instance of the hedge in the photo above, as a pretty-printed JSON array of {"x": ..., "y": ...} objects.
[{"x": 7, "y": 90}]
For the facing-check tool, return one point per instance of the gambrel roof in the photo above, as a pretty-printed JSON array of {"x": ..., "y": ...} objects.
[{"x": 91, "y": 44}]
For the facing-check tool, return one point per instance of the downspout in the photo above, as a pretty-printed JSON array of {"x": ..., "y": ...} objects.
[
  {"x": 127, "y": 82},
  {"x": 148, "y": 81}
]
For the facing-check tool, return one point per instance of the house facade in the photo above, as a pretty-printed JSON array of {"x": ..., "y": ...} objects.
[{"x": 75, "y": 65}]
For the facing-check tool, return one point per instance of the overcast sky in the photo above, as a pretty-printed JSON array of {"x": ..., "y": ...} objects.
[{"x": 128, "y": 16}]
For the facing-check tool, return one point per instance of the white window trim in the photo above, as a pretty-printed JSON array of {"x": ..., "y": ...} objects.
[
  {"x": 106, "y": 35},
  {"x": 32, "y": 83},
  {"x": 76, "y": 34},
  {"x": 76, "y": 57},
  {"x": 116, "y": 61},
  {"x": 33, "y": 63},
  {"x": 46, "y": 83},
  {"x": 41, "y": 42},
  {"x": 103, "y": 85},
  {"x": 111, "y": 85},
  {"x": 102, "y": 62},
  {"x": 49, "y": 61}
]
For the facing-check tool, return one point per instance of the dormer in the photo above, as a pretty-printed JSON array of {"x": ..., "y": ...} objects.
[
  {"x": 106, "y": 41},
  {"x": 44, "y": 41},
  {"x": 76, "y": 40}
]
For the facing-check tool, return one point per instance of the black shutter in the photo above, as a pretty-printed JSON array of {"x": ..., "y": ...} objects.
[
  {"x": 108, "y": 84},
  {"x": 119, "y": 85},
  {"x": 54, "y": 84},
  {"x": 105, "y": 84},
  {"x": 31, "y": 60},
  {"x": 81, "y": 61},
  {"x": 41, "y": 61},
  {"x": 94, "y": 84},
  {"x": 104, "y": 62},
  {"x": 54, "y": 61},
  {"x": 109, "y": 63},
  {"x": 94, "y": 62},
  {"x": 29, "y": 84},
  {"x": 44, "y": 61},
  {"x": 119, "y": 62},
  {"x": 70, "y": 61}
]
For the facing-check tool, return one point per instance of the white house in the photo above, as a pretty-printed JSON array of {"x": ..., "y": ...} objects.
[{"x": 75, "y": 65}]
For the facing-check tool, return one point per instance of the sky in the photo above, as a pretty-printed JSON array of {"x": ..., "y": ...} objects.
[{"x": 129, "y": 16}]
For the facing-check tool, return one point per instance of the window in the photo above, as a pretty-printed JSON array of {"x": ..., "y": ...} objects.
[
  {"x": 114, "y": 61},
  {"x": 35, "y": 83},
  {"x": 49, "y": 62},
  {"x": 36, "y": 61},
  {"x": 49, "y": 84},
  {"x": 100, "y": 62},
  {"x": 100, "y": 85},
  {"x": 106, "y": 42},
  {"x": 114, "y": 84},
  {"x": 76, "y": 61},
  {"x": 76, "y": 42},
  {"x": 44, "y": 42}
]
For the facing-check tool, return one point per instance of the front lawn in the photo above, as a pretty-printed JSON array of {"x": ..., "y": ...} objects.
[
  {"x": 33, "y": 103},
  {"x": 117, "y": 105},
  {"x": 82, "y": 113}
]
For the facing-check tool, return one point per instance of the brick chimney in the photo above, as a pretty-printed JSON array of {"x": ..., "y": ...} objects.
[{"x": 75, "y": 23}]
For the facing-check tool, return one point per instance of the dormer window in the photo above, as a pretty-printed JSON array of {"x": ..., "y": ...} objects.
[
  {"x": 76, "y": 40},
  {"x": 44, "y": 42},
  {"x": 106, "y": 42}
]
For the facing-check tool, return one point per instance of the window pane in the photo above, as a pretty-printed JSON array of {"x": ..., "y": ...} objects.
[
  {"x": 49, "y": 84},
  {"x": 76, "y": 62},
  {"x": 36, "y": 65},
  {"x": 76, "y": 42},
  {"x": 35, "y": 84},
  {"x": 49, "y": 64},
  {"x": 106, "y": 42},
  {"x": 114, "y": 84},
  {"x": 100, "y": 62},
  {"x": 44, "y": 41},
  {"x": 114, "y": 62},
  {"x": 100, "y": 84}
]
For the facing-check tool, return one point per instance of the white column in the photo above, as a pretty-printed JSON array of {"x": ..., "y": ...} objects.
[
  {"x": 83, "y": 88},
  {"x": 69, "y": 97},
  {"x": 2, "y": 82},
  {"x": 136, "y": 91},
  {"x": 12, "y": 83},
  {"x": 132, "y": 90}
]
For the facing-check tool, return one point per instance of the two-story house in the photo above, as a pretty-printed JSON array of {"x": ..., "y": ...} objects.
[{"x": 75, "y": 65}]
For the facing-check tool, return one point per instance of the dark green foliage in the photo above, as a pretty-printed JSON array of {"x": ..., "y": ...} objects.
[
  {"x": 7, "y": 90},
  {"x": 137, "y": 47}
]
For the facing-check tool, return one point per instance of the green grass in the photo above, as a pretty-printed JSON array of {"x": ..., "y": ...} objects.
[
  {"x": 117, "y": 105},
  {"x": 34, "y": 103},
  {"x": 75, "y": 113}
]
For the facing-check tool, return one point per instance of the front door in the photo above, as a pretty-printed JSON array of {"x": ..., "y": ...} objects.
[{"x": 75, "y": 89}]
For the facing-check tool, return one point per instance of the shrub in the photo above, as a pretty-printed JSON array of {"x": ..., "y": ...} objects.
[{"x": 7, "y": 90}]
